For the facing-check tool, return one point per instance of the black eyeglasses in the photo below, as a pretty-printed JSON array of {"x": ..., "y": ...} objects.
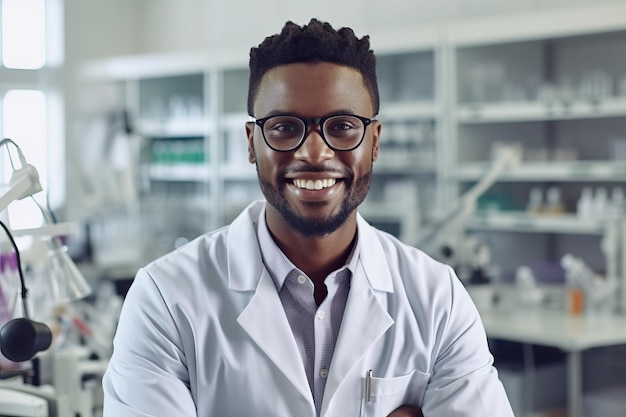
[{"x": 341, "y": 132}]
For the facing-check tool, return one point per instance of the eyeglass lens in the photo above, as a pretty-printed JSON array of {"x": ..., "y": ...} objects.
[{"x": 286, "y": 132}]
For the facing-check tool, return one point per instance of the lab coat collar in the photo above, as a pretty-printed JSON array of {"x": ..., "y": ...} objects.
[
  {"x": 245, "y": 264},
  {"x": 373, "y": 257}
]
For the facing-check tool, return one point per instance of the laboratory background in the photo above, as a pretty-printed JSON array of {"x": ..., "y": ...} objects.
[{"x": 503, "y": 154}]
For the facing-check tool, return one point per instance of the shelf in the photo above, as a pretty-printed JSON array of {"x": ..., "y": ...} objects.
[
  {"x": 174, "y": 128},
  {"x": 179, "y": 172},
  {"x": 404, "y": 214},
  {"x": 234, "y": 120},
  {"x": 539, "y": 111},
  {"x": 408, "y": 110},
  {"x": 234, "y": 172},
  {"x": 405, "y": 165},
  {"x": 530, "y": 223},
  {"x": 596, "y": 171}
]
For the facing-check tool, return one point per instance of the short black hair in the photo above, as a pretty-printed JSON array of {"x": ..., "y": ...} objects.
[{"x": 315, "y": 42}]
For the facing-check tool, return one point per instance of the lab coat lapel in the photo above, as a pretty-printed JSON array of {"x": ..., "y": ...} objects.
[
  {"x": 265, "y": 322},
  {"x": 365, "y": 318},
  {"x": 263, "y": 319}
]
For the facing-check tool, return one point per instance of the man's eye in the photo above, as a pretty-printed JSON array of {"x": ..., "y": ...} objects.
[
  {"x": 340, "y": 126},
  {"x": 286, "y": 127},
  {"x": 283, "y": 129}
]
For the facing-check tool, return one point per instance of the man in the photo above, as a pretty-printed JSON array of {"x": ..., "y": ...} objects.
[{"x": 299, "y": 307}]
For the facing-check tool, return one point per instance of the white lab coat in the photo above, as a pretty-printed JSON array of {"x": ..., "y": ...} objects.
[{"x": 203, "y": 332}]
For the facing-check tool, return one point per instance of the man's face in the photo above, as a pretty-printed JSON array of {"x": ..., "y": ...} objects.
[{"x": 313, "y": 90}]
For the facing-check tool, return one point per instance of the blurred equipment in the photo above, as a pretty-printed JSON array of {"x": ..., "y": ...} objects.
[
  {"x": 445, "y": 239},
  {"x": 22, "y": 338},
  {"x": 598, "y": 291},
  {"x": 22, "y": 404},
  {"x": 75, "y": 379}
]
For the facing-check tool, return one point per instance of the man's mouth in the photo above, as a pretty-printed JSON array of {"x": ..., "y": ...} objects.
[{"x": 317, "y": 184}]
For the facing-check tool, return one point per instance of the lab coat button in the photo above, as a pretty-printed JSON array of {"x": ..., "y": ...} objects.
[
  {"x": 324, "y": 373},
  {"x": 301, "y": 279}
]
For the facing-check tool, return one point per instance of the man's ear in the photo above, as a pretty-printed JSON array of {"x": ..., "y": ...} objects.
[
  {"x": 250, "y": 135},
  {"x": 377, "y": 128}
]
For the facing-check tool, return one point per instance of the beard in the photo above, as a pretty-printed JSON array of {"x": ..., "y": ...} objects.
[{"x": 356, "y": 191}]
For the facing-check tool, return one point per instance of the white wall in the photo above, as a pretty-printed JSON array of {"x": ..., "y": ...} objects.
[
  {"x": 100, "y": 28},
  {"x": 105, "y": 28},
  {"x": 168, "y": 25}
]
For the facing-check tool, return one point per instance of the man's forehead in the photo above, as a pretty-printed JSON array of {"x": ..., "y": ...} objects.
[{"x": 323, "y": 78}]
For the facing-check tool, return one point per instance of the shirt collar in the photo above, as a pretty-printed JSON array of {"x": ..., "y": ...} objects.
[{"x": 277, "y": 263}]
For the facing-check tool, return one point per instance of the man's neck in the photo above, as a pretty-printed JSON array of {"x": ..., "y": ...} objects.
[{"x": 316, "y": 256}]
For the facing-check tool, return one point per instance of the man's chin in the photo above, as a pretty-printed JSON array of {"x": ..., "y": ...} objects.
[
  {"x": 314, "y": 203},
  {"x": 316, "y": 226}
]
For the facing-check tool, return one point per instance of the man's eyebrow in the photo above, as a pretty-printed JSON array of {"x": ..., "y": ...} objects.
[
  {"x": 279, "y": 112},
  {"x": 291, "y": 113}
]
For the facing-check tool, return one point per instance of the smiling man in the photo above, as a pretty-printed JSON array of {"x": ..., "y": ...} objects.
[{"x": 300, "y": 307}]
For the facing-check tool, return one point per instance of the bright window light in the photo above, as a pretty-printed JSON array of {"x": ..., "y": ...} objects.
[
  {"x": 24, "y": 121},
  {"x": 23, "y": 34}
]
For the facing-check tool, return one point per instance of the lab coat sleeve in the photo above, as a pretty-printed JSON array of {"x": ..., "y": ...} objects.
[
  {"x": 147, "y": 373},
  {"x": 464, "y": 381}
]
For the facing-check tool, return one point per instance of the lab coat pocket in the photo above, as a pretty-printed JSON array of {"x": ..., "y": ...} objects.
[{"x": 387, "y": 394}]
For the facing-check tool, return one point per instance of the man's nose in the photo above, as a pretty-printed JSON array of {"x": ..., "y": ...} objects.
[{"x": 314, "y": 149}]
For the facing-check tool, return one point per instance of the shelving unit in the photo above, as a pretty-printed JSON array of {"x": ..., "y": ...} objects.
[
  {"x": 404, "y": 192},
  {"x": 513, "y": 221},
  {"x": 194, "y": 163},
  {"x": 237, "y": 177},
  {"x": 558, "y": 94},
  {"x": 172, "y": 115},
  {"x": 552, "y": 83}
]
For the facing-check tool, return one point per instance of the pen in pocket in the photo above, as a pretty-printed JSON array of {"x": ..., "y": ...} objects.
[{"x": 368, "y": 385}]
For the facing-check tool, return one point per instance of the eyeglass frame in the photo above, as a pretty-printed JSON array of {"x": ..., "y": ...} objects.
[{"x": 307, "y": 121}]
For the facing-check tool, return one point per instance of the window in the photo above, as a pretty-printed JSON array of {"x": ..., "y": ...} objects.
[
  {"x": 23, "y": 34},
  {"x": 24, "y": 117},
  {"x": 31, "y": 36}
]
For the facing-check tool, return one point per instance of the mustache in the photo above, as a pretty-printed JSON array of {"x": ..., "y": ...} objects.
[{"x": 295, "y": 169}]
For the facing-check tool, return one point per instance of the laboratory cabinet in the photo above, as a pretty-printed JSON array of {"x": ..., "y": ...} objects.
[
  {"x": 171, "y": 129},
  {"x": 556, "y": 95},
  {"x": 551, "y": 85},
  {"x": 194, "y": 174},
  {"x": 171, "y": 116},
  {"x": 404, "y": 187},
  {"x": 237, "y": 183},
  {"x": 548, "y": 85}
]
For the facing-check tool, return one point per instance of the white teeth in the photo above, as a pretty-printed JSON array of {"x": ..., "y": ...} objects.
[{"x": 314, "y": 185}]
